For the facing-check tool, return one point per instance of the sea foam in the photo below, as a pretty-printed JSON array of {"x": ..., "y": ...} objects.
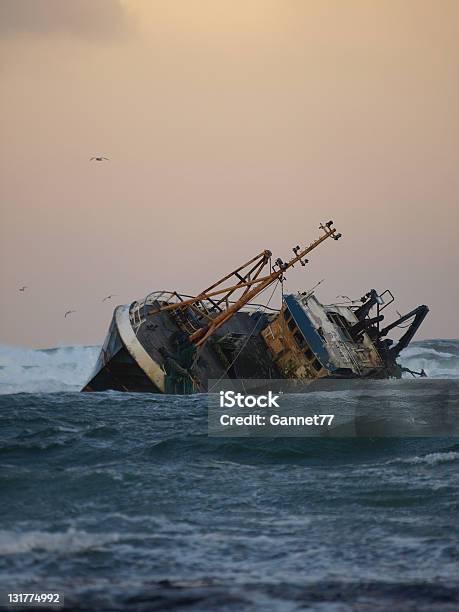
[
  {"x": 68, "y": 368},
  {"x": 64, "y": 368}
]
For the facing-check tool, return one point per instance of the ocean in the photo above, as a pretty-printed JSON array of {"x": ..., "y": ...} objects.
[{"x": 122, "y": 501}]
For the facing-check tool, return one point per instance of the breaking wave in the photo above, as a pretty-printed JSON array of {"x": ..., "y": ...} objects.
[
  {"x": 429, "y": 459},
  {"x": 67, "y": 368},
  {"x": 70, "y": 541},
  {"x": 438, "y": 358},
  {"x": 64, "y": 368}
]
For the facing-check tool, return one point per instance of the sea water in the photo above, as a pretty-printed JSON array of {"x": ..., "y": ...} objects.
[{"x": 122, "y": 501}]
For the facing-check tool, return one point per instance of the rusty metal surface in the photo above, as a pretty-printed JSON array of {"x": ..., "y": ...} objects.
[
  {"x": 249, "y": 282},
  {"x": 292, "y": 360},
  {"x": 202, "y": 335}
]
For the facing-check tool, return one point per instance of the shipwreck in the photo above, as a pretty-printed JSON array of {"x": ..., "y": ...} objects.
[{"x": 173, "y": 343}]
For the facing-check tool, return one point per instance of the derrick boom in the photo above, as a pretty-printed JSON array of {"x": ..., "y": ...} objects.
[{"x": 212, "y": 306}]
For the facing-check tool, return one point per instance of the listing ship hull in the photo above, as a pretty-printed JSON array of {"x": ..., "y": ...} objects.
[
  {"x": 294, "y": 342},
  {"x": 130, "y": 359},
  {"x": 174, "y": 343}
]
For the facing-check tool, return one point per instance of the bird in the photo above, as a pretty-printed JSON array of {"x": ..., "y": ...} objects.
[
  {"x": 23, "y": 288},
  {"x": 109, "y": 297},
  {"x": 99, "y": 158},
  {"x": 69, "y": 312}
]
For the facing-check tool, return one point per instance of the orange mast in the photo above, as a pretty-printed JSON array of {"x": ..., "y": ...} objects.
[{"x": 251, "y": 282}]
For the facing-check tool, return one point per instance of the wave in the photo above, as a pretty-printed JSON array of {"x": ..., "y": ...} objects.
[
  {"x": 64, "y": 368},
  {"x": 67, "y": 368},
  {"x": 70, "y": 541},
  {"x": 438, "y": 358},
  {"x": 429, "y": 459}
]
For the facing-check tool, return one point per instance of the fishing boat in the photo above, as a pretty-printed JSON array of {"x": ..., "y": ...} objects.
[{"x": 174, "y": 343}]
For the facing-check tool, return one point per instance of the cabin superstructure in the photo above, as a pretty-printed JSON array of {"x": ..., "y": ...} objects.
[{"x": 309, "y": 340}]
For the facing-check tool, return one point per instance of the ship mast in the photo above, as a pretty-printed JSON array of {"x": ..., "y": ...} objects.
[{"x": 215, "y": 299}]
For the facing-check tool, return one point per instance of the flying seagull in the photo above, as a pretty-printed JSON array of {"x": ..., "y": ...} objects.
[
  {"x": 69, "y": 312},
  {"x": 99, "y": 158},
  {"x": 109, "y": 297},
  {"x": 23, "y": 288}
]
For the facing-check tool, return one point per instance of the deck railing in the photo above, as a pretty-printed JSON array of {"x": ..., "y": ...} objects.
[{"x": 137, "y": 309}]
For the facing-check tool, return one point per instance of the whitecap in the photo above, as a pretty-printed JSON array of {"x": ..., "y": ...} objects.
[
  {"x": 65, "y": 368},
  {"x": 70, "y": 541},
  {"x": 430, "y": 459}
]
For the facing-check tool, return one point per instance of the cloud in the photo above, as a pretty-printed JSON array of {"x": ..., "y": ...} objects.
[{"x": 82, "y": 18}]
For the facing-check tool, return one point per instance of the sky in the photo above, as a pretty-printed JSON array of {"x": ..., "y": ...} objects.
[{"x": 232, "y": 126}]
